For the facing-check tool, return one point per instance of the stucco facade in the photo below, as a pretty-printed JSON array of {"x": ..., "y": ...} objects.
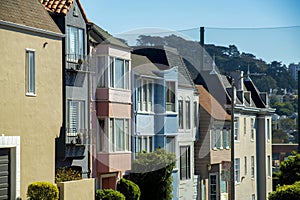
[{"x": 30, "y": 122}]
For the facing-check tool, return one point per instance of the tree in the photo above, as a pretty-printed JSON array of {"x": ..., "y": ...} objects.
[
  {"x": 279, "y": 136},
  {"x": 284, "y": 108},
  {"x": 152, "y": 172},
  {"x": 289, "y": 170},
  {"x": 286, "y": 192}
]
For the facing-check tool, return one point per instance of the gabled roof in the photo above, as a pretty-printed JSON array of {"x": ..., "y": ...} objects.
[
  {"x": 100, "y": 36},
  {"x": 27, "y": 12},
  {"x": 166, "y": 57},
  {"x": 62, "y": 7},
  {"x": 143, "y": 66},
  {"x": 211, "y": 105}
]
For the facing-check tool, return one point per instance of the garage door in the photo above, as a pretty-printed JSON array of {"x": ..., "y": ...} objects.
[{"x": 4, "y": 173}]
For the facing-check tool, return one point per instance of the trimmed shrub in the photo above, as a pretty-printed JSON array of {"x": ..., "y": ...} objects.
[
  {"x": 109, "y": 194},
  {"x": 130, "y": 190},
  {"x": 67, "y": 174},
  {"x": 286, "y": 192},
  {"x": 42, "y": 191}
]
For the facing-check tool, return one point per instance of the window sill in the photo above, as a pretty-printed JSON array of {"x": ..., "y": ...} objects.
[{"x": 30, "y": 94}]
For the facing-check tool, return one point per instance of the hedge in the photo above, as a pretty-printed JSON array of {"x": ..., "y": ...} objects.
[
  {"x": 130, "y": 190},
  {"x": 109, "y": 194},
  {"x": 42, "y": 190},
  {"x": 286, "y": 192}
]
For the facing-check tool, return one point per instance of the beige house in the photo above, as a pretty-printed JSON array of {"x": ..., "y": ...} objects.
[{"x": 31, "y": 96}]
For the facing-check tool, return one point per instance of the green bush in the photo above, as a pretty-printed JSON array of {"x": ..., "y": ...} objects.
[
  {"x": 152, "y": 172},
  {"x": 109, "y": 194},
  {"x": 67, "y": 174},
  {"x": 286, "y": 192},
  {"x": 130, "y": 190},
  {"x": 42, "y": 191}
]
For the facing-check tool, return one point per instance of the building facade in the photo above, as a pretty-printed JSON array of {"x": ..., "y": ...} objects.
[
  {"x": 72, "y": 146},
  {"x": 111, "y": 108},
  {"x": 31, "y": 106}
]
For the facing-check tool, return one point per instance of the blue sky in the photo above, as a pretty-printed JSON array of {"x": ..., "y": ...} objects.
[{"x": 225, "y": 22}]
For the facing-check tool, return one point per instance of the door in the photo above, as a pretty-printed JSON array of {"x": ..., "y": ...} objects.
[
  {"x": 213, "y": 187},
  {"x": 4, "y": 173}
]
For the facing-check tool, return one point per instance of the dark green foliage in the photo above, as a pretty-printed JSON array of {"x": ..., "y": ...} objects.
[
  {"x": 152, "y": 172},
  {"x": 67, "y": 174},
  {"x": 289, "y": 170},
  {"x": 42, "y": 191},
  {"x": 130, "y": 190},
  {"x": 286, "y": 192},
  {"x": 109, "y": 194}
]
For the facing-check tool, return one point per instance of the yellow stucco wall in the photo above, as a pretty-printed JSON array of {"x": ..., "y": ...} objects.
[
  {"x": 37, "y": 120},
  {"x": 80, "y": 190}
]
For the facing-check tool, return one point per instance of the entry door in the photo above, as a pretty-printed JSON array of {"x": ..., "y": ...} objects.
[
  {"x": 213, "y": 187},
  {"x": 4, "y": 173}
]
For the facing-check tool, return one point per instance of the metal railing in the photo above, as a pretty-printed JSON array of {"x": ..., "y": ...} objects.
[{"x": 74, "y": 136}]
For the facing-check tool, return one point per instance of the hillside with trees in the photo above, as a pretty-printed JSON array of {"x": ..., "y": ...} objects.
[{"x": 228, "y": 59}]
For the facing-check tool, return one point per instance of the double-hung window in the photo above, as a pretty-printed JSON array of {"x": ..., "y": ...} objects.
[
  {"x": 237, "y": 170},
  {"x": 252, "y": 167},
  {"x": 188, "y": 114},
  {"x": 170, "y": 96},
  {"x": 30, "y": 72},
  {"x": 180, "y": 113},
  {"x": 170, "y": 141},
  {"x": 213, "y": 187},
  {"x": 268, "y": 130},
  {"x": 236, "y": 129},
  {"x": 75, "y": 117},
  {"x": 145, "y": 143},
  {"x": 252, "y": 128},
  {"x": 119, "y": 133},
  {"x": 185, "y": 163},
  {"x": 75, "y": 43},
  {"x": 145, "y": 95},
  {"x": 119, "y": 73}
]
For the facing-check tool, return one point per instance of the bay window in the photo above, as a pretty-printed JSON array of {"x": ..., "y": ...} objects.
[
  {"x": 119, "y": 133},
  {"x": 119, "y": 73},
  {"x": 170, "y": 96}
]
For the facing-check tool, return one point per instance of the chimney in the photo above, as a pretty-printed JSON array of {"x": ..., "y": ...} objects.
[{"x": 238, "y": 79}]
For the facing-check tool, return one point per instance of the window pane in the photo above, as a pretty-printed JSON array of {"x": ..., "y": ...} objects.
[
  {"x": 111, "y": 135},
  {"x": 150, "y": 144},
  {"x": 119, "y": 73},
  {"x": 80, "y": 44},
  {"x": 127, "y": 75},
  {"x": 127, "y": 134},
  {"x": 144, "y": 95},
  {"x": 140, "y": 89},
  {"x": 188, "y": 115},
  {"x": 101, "y": 71},
  {"x": 112, "y": 72},
  {"x": 180, "y": 113},
  {"x": 31, "y": 78},
  {"x": 170, "y": 96},
  {"x": 150, "y": 95},
  {"x": 101, "y": 134},
  {"x": 170, "y": 144},
  {"x": 195, "y": 114},
  {"x": 119, "y": 127}
]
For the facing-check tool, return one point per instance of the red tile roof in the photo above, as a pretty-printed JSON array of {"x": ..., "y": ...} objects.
[
  {"x": 57, "y": 6},
  {"x": 211, "y": 105}
]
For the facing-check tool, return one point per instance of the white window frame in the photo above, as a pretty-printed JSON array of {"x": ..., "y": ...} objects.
[
  {"x": 269, "y": 166},
  {"x": 30, "y": 71},
  {"x": 78, "y": 46},
  {"x": 80, "y": 117},
  {"x": 268, "y": 130},
  {"x": 213, "y": 195},
  {"x": 180, "y": 114},
  {"x": 170, "y": 144},
  {"x": 145, "y": 104},
  {"x": 252, "y": 129},
  {"x": 145, "y": 143},
  {"x": 245, "y": 165},
  {"x": 237, "y": 170},
  {"x": 125, "y": 76},
  {"x": 170, "y": 96},
  {"x": 252, "y": 166},
  {"x": 236, "y": 129},
  {"x": 187, "y": 114},
  {"x": 124, "y": 141},
  {"x": 185, "y": 164}
]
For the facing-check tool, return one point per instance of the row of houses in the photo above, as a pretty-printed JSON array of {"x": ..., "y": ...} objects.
[{"x": 73, "y": 95}]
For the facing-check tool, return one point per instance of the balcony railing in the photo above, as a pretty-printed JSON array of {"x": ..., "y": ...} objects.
[
  {"x": 77, "y": 62},
  {"x": 76, "y": 137}
]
